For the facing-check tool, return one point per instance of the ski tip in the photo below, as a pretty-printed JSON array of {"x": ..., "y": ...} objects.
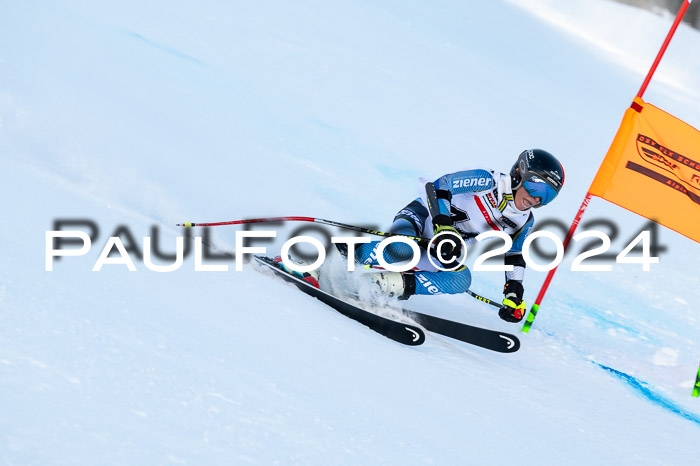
[{"x": 512, "y": 343}]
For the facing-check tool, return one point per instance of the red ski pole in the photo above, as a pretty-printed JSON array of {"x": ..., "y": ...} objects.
[{"x": 418, "y": 239}]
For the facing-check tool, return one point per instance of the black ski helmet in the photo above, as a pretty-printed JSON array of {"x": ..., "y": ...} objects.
[{"x": 539, "y": 166}]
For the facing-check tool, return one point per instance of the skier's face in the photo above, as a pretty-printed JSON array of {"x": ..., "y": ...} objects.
[{"x": 523, "y": 200}]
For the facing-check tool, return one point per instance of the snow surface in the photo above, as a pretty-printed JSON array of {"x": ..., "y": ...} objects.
[{"x": 141, "y": 114}]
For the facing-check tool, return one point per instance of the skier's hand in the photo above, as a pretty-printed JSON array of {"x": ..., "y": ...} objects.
[
  {"x": 513, "y": 308},
  {"x": 447, "y": 247}
]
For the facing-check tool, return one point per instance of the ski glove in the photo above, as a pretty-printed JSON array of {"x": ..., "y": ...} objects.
[
  {"x": 447, "y": 247},
  {"x": 513, "y": 309}
]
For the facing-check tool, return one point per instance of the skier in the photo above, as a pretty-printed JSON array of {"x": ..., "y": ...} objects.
[{"x": 469, "y": 202}]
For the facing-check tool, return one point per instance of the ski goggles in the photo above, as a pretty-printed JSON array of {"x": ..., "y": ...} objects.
[{"x": 536, "y": 187}]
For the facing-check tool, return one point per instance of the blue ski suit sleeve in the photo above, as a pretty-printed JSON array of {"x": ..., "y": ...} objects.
[{"x": 466, "y": 181}]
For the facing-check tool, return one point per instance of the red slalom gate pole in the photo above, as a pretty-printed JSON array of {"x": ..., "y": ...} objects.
[
  {"x": 535, "y": 307},
  {"x": 663, "y": 48}
]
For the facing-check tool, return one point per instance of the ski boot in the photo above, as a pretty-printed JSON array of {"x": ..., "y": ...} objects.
[
  {"x": 310, "y": 277},
  {"x": 401, "y": 285}
]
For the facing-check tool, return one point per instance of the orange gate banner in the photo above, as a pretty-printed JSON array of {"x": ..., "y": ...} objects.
[{"x": 653, "y": 169}]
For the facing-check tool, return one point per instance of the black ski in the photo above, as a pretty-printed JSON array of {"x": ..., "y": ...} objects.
[
  {"x": 398, "y": 331},
  {"x": 404, "y": 333},
  {"x": 485, "y": 338}
]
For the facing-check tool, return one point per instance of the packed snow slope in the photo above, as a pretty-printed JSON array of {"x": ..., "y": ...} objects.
[{"x": 140, "y": 115}]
